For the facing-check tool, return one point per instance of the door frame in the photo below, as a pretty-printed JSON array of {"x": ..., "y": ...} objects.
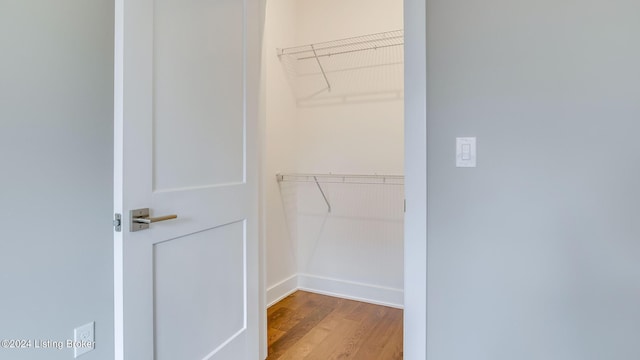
[{"x": 415, "y": 168}]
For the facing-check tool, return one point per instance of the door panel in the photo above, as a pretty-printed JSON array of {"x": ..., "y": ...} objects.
[
  {"x": 189, "y": 276},
  {"x": 198, "y": 92}
]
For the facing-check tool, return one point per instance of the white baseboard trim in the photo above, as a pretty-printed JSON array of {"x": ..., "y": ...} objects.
[
  {"x": 373, "y": 294},
  {"x": 282, "y": 289}
]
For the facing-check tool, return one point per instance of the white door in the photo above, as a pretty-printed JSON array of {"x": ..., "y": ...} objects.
[{"x": 186, "y": 131}]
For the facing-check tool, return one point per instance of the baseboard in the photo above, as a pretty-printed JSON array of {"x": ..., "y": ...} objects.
[
  {"x": 352, "y": 290},
  {"x": 374, "y": 294},
  {"x": 282, "y": 289}
]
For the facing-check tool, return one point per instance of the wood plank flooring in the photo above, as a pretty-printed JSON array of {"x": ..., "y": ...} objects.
[{"x": 310, "y": 326}]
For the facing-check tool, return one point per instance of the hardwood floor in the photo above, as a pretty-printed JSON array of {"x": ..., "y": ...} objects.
[{"x": 311, "y": 326}]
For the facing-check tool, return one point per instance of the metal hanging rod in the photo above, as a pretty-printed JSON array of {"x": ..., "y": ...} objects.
[{"x": 364, "y": 179}]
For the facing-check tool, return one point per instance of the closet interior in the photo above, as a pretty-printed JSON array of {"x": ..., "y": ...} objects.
[{"x": 333, "y": 185}]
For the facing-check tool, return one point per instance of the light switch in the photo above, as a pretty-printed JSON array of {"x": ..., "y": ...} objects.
[{"x": 466, "y": 152}]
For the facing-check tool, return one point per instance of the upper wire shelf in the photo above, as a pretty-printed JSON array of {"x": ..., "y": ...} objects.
[
  {"x": 355, "y": 69},
  {"x": 345, "y": 46}
]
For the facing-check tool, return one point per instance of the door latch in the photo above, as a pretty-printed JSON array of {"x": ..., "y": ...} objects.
[{"x": 117, "y": 222}]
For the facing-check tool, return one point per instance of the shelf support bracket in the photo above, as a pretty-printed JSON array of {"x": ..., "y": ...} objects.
[
  {"x": 315, "y": 54},
  {"x": 322, "y": 192}
]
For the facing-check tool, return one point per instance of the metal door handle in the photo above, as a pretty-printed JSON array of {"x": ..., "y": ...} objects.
[
  {"x": 140, "y": 220},
  {"x": 155, "y": 219}
]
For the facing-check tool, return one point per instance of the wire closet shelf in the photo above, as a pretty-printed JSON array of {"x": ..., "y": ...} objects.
[
  {"x": 345, "y": 46},
  {"x": 364, "y": 179},
  {"x": 352, "y": 67}
]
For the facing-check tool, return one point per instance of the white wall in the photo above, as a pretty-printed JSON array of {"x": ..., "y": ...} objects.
[
  {"x": 356, "y": 250},
  {"x": 534, "y": 253},
  {"x": 279, "y": 150},
  {"x": 361, "y": 137},
  {"x": 56, "y": 144}
]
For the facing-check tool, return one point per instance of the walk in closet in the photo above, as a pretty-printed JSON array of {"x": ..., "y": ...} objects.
[{"x": 333, "y": 185}]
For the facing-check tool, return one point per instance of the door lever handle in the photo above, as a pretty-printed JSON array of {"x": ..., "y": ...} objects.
[
  {"x": 140, "y": 220},
  {"x": 154, "y": 219}
]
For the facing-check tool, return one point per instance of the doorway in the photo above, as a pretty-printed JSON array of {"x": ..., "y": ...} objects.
[{"x": 333, "y": 149}]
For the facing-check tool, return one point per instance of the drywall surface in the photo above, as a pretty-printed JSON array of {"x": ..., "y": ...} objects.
[
  {"x": 534, "y": 253},
  {"x": 353, "y": 136},
  {"x": 279, "y": 147},
  {"x": 56, "y": 144},
  {"x": 361, "y": 240},
  {"x": 357, "y": 249}
]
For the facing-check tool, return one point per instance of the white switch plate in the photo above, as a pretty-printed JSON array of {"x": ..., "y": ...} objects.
[
  {"x": 466, "y": 152},
  {"x": 83, "y": 339}
]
